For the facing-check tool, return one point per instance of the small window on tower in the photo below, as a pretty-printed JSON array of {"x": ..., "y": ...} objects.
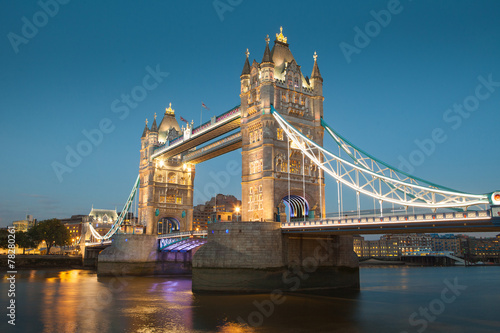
[{"x": 279, "y": 134}]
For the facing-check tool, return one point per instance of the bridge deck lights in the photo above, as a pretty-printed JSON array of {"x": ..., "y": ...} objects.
[{"x": 495, "y": 198}]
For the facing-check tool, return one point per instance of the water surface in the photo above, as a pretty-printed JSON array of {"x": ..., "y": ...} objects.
[{"x": 391, "y": 299}]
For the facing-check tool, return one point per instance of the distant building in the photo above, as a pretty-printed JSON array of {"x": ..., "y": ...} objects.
[
  {"x": 223, "y": 208},
  {"x": 21, "y": 225},
  {"x": 445, "y": 243},
  {"x": 24, "y": 225},
  {"x": 384, "y": 247},
  {"x": 485, "y": 249},
  {"x": 392, "y": 245},
  {"x": 201, "y": 214},
  {"x": 409, "y": 243},
  {"x": 74, "y": 226},
  {"x": 102, "y": 216}
]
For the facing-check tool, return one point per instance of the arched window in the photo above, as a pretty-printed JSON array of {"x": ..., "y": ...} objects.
[{"x": 172, "y": 177}]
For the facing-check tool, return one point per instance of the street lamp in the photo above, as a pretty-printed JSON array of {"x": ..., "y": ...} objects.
[{"x": 237, "y": 211}]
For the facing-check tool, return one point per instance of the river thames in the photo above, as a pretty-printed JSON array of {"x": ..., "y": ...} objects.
[{"x": 391, "y": 299}]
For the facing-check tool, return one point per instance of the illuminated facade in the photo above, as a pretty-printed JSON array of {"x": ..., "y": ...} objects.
[
  {"x": 102, "y": 216},
  {"x": 267, "y": 161},
  {"x": 166, "y": 184}
]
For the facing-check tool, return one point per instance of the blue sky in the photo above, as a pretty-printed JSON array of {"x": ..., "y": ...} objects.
[{"x": 62, "y": 78}]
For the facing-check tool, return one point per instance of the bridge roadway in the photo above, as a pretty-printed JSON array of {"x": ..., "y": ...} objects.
[{"x": 471, "y": 221}]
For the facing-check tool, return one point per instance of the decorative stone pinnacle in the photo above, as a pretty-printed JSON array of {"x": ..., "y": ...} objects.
[
  {"x": 247, "y": 53},
  {"x": 169, "y": 110},
  {"x": 315, "y": 56},
  {"x": 155, "y": 115},
  {"x": 267, "y": 39},
  {"x": 146, "y": 121},
  {"x": 280, "y": 37}
]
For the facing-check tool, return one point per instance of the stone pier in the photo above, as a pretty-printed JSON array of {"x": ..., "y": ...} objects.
[
  {"x": 129, "y": 255},
  {"x": 139, "y": 255},
  {"x": 255, "y": 257}
]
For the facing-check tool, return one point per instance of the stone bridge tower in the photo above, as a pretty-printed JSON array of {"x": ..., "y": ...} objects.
[
  {"x": 166, "y": 185},
  {"x": 277, "y": 80}
]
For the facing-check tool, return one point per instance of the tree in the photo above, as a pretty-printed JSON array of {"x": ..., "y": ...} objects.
[
  {"x": 53, "y": 232},
  {"x": 26, "y": 239},
  {"x": 4, "y": 238}
]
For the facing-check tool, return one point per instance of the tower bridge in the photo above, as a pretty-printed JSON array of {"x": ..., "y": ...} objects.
[{"x": 280, "y": 126}]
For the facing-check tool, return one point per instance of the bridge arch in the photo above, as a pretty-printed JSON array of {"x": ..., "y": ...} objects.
[
  {"x": 297, "y": 206},
  {"x": 168, "y": 225}
]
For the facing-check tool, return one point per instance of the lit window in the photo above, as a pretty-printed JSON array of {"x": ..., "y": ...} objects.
[{"x": 279, "y": 134}]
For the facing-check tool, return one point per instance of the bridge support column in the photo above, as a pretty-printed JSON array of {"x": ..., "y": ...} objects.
[
  {"x": 129, "y": 255},
  {"x": 255, "y": 257}
]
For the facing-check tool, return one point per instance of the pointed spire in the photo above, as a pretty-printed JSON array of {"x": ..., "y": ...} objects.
[
  {"x": 246, "y": 67},
  {"x": 146, "y": 130},
  {"x": 267, "y": 53},
  {"x": 315, "y": 72},
  {"x": 154, "y": 127}
]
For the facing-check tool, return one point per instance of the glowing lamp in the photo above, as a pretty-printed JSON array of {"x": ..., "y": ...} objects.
[{"x": 495, "y": 198}]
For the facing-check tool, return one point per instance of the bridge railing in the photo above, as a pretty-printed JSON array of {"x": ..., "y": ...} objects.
[
  {"x": 181, "y": 234},
  {"x": 413, "y": 218}
]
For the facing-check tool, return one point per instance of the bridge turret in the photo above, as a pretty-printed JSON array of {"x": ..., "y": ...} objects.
[
  {"x": 317, "y": 87},
  {"x": 267, "y": 79},
  {"x": 278, "y": 82},
  {"x": 144, "y": 145},
  {"x": 316, "y": 79},
  {"x": 245, "y": 75}
]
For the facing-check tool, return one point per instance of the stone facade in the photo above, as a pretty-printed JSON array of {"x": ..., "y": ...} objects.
[
  {"x": 166, "y": 184},
  {"x": 278, "y": 81},
  {"x": 244, "y": 257}
]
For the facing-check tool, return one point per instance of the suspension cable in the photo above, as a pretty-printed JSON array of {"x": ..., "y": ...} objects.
[
  {"x": 288, "y": 164},
  {"x": 304, "y": 185}
]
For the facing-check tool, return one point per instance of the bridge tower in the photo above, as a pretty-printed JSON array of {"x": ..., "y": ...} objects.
[
  {"x": 266, "y": 158},
  {"x": 166, "y": 184}
]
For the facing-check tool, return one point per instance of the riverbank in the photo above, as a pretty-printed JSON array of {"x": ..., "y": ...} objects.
[
  {"x": 30, "y": 261},
  {"x": 378, "y": 262}
]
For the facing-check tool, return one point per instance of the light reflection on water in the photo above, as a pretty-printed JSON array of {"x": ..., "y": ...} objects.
[{"x": 79, "y": 301}]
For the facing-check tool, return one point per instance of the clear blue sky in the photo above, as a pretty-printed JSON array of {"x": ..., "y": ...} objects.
[{"x": 394, "y": 89}]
